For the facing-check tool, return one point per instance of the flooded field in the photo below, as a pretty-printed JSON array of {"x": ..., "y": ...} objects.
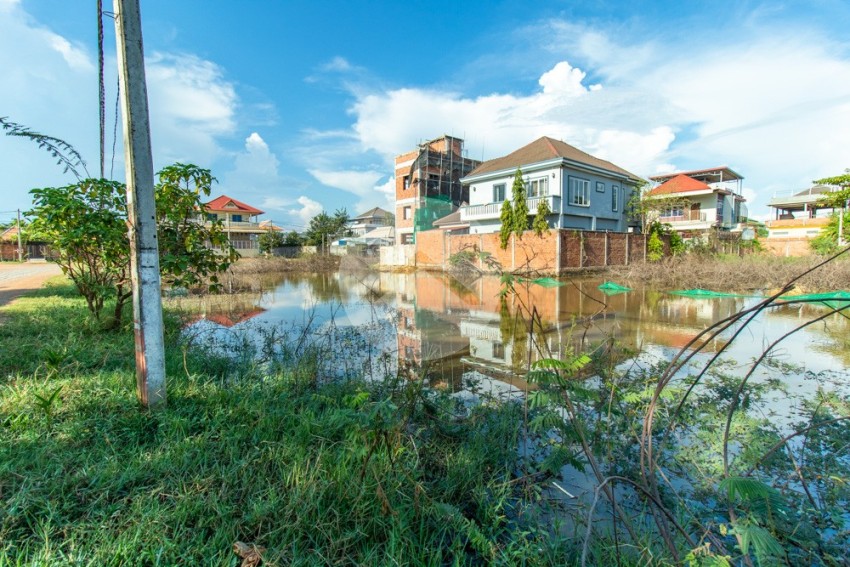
[
  {"x": 621, "y": 388},
  {"x": 450, "y": 327}
]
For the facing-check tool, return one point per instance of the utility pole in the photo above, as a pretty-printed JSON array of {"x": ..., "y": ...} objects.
[
  {"x": 20, "y": 246},
  {"x": 141, "y": 206}
]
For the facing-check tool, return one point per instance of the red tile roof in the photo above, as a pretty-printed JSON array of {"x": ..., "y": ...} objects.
[
  {"x": 680, "y": 184},
  {"x": 545, "y": 149},
  {"x": 227, "y": 204}
]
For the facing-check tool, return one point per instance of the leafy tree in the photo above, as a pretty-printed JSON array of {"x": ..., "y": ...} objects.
[
  {"x": 540, "y": 223},
  {"x": 86, "y": 226},
  {"x": 270, "y": 240},
  {"x": 836, "y": 199},
  {"x": 507, "y": 219},
  {"x": 293, "y": 239},
  {"x": 827, "y": 242},
  {"x": 190, "y": 252},
  {"x": 654, "y": 247},
  {"x": 520, "y": 217},
  {"x": 325, "y": 228},
  {"x": 677, "y": 245},
  {"x": 645, "y": 209}
]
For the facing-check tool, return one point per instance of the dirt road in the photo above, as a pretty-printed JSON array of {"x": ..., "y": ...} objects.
[{"x": 16, "y": 279}]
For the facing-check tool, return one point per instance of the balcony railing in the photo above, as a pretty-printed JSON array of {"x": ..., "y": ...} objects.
[
  {"x": 688, "y": 216},
  {"x": 494, "y": 210}
]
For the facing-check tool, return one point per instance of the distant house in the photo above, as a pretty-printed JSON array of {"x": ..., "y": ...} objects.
[
  {"x": 452, "y": 224},
  {"x": 701, "y": 199},
  {"x": 239, "y": 220},
  {"x": 370, "y": 220},
  {"x": 798, "y": 214},
  {"x": 583, "y": 192}
]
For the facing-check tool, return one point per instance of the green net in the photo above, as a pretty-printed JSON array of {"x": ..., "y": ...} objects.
[
  {"x": 832, "y": 299},
  {"x": 704, "y": 293},
  {"x": 432, "y": 209},
  {"x": 548, "y": 282},
  {"x": 611, "y": 286}
]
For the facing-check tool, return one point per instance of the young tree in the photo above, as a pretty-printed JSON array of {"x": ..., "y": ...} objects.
[
  {"x": 507, "y": 219},
  {"x": 190, "y": 252},
  {"x": 835, "y": 234},
  {"x": 645, "y": 209},
  {"x": 325, "y": 228},
  {"x": 270, "y": 240},
  {"x": 520, "y": 216},
  {"x": 293, "y": 239},
  {"x": 541, "y": 223},
  {"x": 86, "y": 226}
]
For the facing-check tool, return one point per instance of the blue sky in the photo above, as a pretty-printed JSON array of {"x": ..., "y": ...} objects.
[{"x": 301, "y": 106}]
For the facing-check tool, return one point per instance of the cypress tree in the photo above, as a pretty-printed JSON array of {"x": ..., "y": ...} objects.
[
  {"x": 540, "y": 224},
  {"x": 520, "y": 220},
  {"x": 507, "y": 218}
]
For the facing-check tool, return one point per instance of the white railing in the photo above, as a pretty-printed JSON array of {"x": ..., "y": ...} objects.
[
  {"x": 687, "y": 216},
  {"x": 494, "y": 210}
]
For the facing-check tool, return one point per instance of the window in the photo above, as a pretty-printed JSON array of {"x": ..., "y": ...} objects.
[
  {"x": 406, "y": 213},
  {"x": 538, "y": 187},
  {"x": 674, "y": 211},
  {"x": 615, "y": 198},
  {"x": 406, "y": 182},
  {"x": 498, "y": 193},
  {"x": 579, "y": 192},
  {"x": 407, "y": 238},
  {"x": 235, "y": 218},
  {"x": 212, "y": 216},
  {"x": 499, "y": 351},
  {"x": 600, "y": 188}
]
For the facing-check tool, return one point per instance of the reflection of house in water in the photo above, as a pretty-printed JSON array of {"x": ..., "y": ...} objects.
[{"x": 444, "y": 322}]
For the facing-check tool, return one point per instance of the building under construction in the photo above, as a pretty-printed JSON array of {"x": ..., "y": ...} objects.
[{"x": 427, "y": 185}]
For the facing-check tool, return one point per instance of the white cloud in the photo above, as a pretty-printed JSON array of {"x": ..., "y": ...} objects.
[
  {"x": 565, "y": 79},
  {"x": 338, "y": 63},
  {"x": 773, "y": 105},
  {"x": 393, "y": 121},
  {"x": 360, "y": 183},
  {"x": 192, "y": 106},
  {"x": 309, "y": 209},
  {"x": 50, "y": 85}
]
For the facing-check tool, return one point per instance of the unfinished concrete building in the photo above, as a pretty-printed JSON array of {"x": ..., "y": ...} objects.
[{"x": 427, "y": 185}]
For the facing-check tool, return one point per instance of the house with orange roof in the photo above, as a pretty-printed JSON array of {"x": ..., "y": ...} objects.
[
  {"x": 696, "y": 201},
  {"x": 240, "y": 222},
  {"x": 583, "y": 191}
]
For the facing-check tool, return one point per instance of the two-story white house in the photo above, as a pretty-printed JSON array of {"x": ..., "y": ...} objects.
[
  {"x": 370, "y": 220},
  {"x": 699, "y": 200},
  {"x": 583, "y": 191}
]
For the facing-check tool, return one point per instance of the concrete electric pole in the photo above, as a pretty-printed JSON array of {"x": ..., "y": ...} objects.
[{"x": 141, "y": 206}]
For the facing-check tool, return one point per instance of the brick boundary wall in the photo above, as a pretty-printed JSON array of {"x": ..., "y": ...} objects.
[{"x": 554, "y": 252}]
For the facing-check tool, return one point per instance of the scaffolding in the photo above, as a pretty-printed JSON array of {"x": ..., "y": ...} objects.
[{"x": 435, "y": 175}]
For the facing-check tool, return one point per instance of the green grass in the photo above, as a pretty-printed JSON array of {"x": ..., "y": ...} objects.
[{"x": 345, "y": 474}]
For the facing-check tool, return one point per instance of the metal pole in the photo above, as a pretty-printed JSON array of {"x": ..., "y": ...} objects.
[
  {"x": 20, "y": 245},
  {"x": 141, "y": 207}
]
